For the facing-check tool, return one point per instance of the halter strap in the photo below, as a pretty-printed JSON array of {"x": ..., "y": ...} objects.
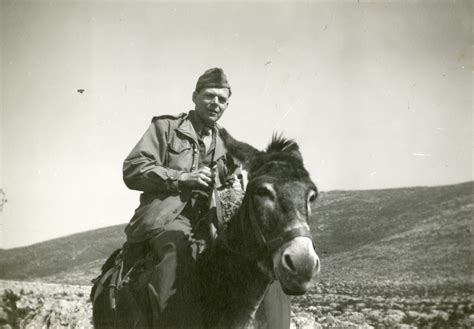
[
  {"x": 272, "y": 244},
  {"x": 264, "y": 244},
  {"x": 277, "y": 242}
]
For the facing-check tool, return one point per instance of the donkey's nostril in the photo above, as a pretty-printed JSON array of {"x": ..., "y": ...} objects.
[{"x": 289, "y": 263}]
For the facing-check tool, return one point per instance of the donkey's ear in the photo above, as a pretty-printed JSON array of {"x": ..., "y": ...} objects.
[
  {"x": 294, "y": 150},
  {"x": 239, "y": 150}
]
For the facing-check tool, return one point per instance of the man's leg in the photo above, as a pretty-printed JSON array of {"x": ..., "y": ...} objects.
[
  {"x": 173, "y": 286},
  {"x": 131, "y": 253}
]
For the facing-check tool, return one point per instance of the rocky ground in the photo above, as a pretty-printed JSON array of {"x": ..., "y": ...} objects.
[
  {"x": 42, "y": 305},
  {"x": 328, "y": 305},
  {"x": 385, "y": 305}
]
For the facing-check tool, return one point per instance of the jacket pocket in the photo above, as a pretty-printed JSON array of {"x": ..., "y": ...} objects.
[
  {"x": 179, "y": 146},
  {"x": 180, "y": 154}
]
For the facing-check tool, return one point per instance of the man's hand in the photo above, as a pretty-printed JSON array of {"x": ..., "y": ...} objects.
[{"x": 200, "y": 178}]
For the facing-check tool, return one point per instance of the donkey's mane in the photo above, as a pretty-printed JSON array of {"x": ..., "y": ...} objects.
[
  {"x": 281, "y": 159},
  {"x": 280, "y": 143}
]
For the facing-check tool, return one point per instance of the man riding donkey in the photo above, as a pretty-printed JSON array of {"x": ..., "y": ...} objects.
[{"x": 179, "y": 164}]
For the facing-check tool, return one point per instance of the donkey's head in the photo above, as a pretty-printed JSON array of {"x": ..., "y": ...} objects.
[{"x": 278, "y": 198}]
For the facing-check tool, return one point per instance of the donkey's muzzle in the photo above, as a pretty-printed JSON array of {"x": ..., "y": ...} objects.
[{"x": 296, "y": 264}]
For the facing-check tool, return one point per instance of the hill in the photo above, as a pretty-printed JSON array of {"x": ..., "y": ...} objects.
[
  {"x": 407, "y": 234},
  {"x": 72, "y": 259}
]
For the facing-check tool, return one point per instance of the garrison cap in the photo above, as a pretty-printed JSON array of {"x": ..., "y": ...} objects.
[{"x": 213, "y": 78}]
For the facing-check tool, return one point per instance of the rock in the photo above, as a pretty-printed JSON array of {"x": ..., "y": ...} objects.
[
  {"x": 379, "y": 299},
  {"x": 83, "y": 323},
  {"x": 393, "y": 318},
  {"x": 374, "y": 315},
  {"x": 443, "y": 315},
  {"x": 35, "y": 319},
  {"x": 317, "y": 310},
  {"x": 3, "y": 315},
  {"x": 413, "y": 314},
  {"x": 333, "y": 322},
  {"x": 304, "y": 320},
  {"x": 354, "y": 317},
  {"x": 326, "y": 308},
  {"x": 329, "y": 320},
  {"x": 365, "y": 326},
  {"x": 48, "y": 307},
  {"x": 366, "y": 310},
  {"x": 468, "y": 321}
]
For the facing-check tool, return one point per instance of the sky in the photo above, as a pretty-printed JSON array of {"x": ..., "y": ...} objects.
[{"x": 377, "y": 94}]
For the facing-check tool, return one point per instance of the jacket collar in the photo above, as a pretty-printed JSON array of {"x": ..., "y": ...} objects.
[
  {"x": 186, "y": 128},
  {"x": 220, "y": 150}
]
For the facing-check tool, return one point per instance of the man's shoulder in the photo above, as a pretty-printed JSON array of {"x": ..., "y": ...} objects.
[{"x": 169, "y": 117}]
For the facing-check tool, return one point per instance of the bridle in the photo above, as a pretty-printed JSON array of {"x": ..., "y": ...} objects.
[
  {"x": 270, "y": 245},
  {"x": 266, "y": 245}
]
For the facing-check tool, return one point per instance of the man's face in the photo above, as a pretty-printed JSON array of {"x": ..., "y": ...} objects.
[{"x": 210, "y": 104}]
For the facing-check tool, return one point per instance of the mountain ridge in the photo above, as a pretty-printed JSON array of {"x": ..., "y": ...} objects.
[{"x": 378, "y": 233}]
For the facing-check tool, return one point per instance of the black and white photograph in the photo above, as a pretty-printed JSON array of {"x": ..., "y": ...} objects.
[{"x": 236, "y": 164}]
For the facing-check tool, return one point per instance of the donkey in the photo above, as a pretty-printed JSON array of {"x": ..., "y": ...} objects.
[{"x": 268, "y": 238}]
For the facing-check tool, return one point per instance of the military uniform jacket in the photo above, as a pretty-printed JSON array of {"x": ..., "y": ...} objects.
[{"x": 168, "y": 148}]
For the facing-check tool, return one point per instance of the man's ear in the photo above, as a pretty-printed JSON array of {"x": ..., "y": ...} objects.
[{"x": 194, "y": 97}]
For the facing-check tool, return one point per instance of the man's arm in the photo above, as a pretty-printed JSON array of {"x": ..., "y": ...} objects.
[{"x": 144, "y": 169}]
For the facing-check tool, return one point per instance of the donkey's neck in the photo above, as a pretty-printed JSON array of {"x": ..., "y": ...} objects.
[{"x": 234, "y": 283}]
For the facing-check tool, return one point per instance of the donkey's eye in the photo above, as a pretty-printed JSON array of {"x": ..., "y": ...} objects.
[
  {"x": 312, "y": 195},
  {"x": 265, "y": 191}
]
